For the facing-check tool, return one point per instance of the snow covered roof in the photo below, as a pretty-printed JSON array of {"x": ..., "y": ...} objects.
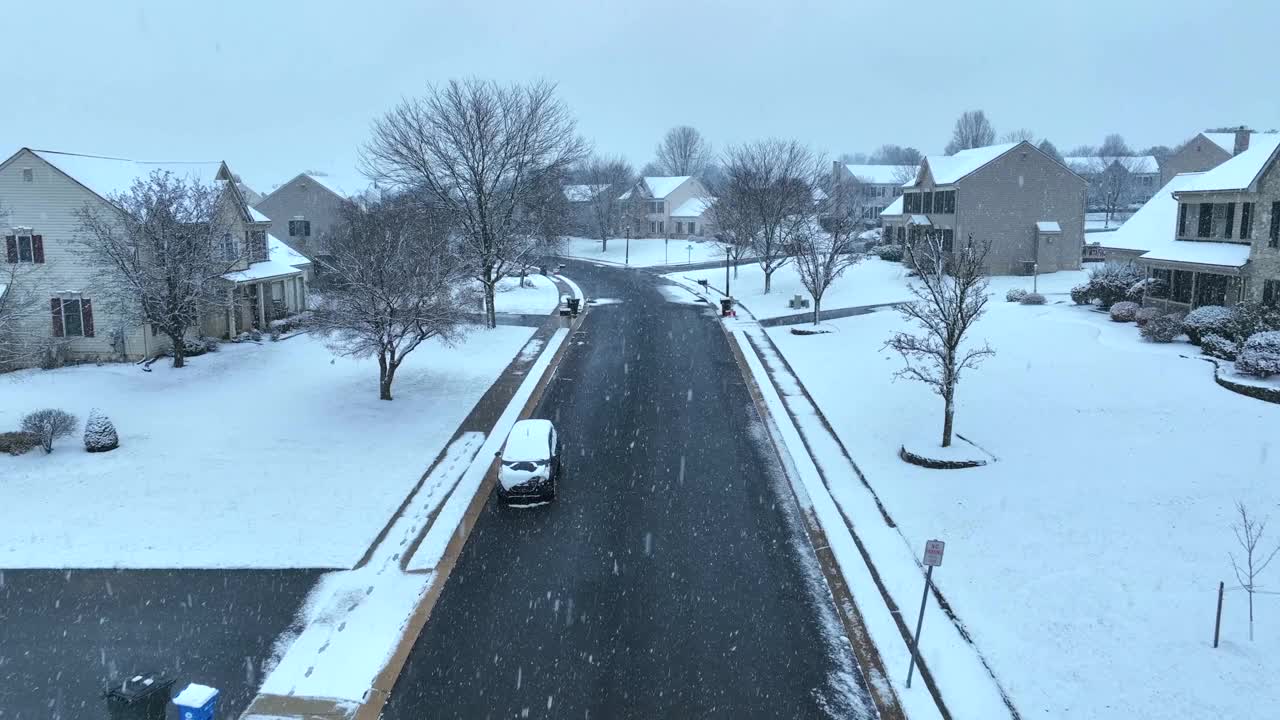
[
  {"x": 895, "y": 207},
  {"x": 331, "y": 184},
  {"x": 194, "y": 695},
  {"x": 919, "y": 220},
  {"x": 282, "y": 260},
  {"x": 1226, "y": 141},
  {"x": 1201, "y": 252},
  {"x": 257, "y": 216},
  {"x": 693, "y": 207},
  {"x": 949, "y": 169},
  {"x": 1048, "y": 226},
  {"x": 109, "y": 176},
  {"x": 1155, "y": 223},
  {"x": 660, "y": 187},
  {"x": 882, "y": 174},
  {"x": 582, "y": 193},
  {"x": 1239, "y": 172},
  {"x": 278, "y": 250},
  {"x": 3, "y": 289},
  {"x": 528, "y": 440},
  {"x": 1138, "y": 164}
]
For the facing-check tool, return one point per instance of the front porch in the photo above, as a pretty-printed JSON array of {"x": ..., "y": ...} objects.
[
  {"x": 252, "y": 305},
  {"x": 1182, "y": 287}
]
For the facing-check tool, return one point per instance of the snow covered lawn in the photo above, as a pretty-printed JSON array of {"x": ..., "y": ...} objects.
[
  {"x": 539, "y": 296},
  {"x": 257, "y": 456},
  {"x": 1085, "y": 560},
  {"x": 645, "y": 252}
]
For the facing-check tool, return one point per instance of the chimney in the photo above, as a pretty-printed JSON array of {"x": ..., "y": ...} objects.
[{"x": 1242, "y": 140}]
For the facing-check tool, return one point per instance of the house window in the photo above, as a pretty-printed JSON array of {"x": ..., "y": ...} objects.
[
  {"x": 652, "y": 226},
  {"x": 662, "y": 226},
  {"x": 1231, "y": 219},
  {"x": 1205, "y": 227},
  {"x": 1271, "y": 292},
  {"x": 1211, "y": 289},
  {"x": 229, "y": 249},
  {"x": 1246, "y": 221},
  {"x": 28, "y": 175},
  {"x": 1163, "y": 281},
  {"x": 257, "y": 240},
  {"x": 911, "y": 202},
  {"x": 1180, "y": 286},
  {"x": 691, "y": 226},
  {"x": 72, "y": 317},
  {"x": 23, "y": 246},
  {"x": 679, "y": 227},
  {"x": 1275, "y": 225},
  {"x": 299, "y": 228},
  {"x": 1182, "y": 219},
  {"x": 927, "y": 203}
]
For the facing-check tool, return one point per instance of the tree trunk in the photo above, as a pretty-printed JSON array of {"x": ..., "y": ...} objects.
[
  {"x": 949, "y": 412},
  {"x": 604, "y": 244},
  {"x": 386, "y": 373},
  {"x": 817, "y": 309},
  {"x": 179, "y": 357},
  {"x": 768, "y": 280},
  {"x": 491, "y": 312}
]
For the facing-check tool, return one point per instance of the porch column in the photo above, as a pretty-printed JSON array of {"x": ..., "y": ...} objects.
[
  {"x": 262, "y": 306},
  {"x": 1195, "y": 288}
]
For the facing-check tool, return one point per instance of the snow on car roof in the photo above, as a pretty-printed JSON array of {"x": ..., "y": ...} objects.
[{"x": 528, "y": 440}]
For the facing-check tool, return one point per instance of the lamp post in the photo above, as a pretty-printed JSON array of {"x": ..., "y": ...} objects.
[
  {"x": 627, "y": 257},
  {"x": 666, "y": 241},
  {"x": 726, "y": 273}
]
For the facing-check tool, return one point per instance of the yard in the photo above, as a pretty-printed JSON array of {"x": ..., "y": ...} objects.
[
  {"x": 1085, "y": 561},
  {"x": 539, "y": 295},
  {"x": 644, "y": 252},
  {"x": 264, "y": 455}
]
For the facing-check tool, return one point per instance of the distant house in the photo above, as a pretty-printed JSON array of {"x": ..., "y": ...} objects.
[
  {"x": 1027, "y": 204},
  {"x": 1205, "y": 151},
  {"x": 582, "y": 220},
  {"x": 1223, "y": 239},
  {"x": 306, "y": 209},
  {"x": 1133, "y": 178},
  {"x": 878, "y": 184},
  {"x": 43, "y": 192},
  {"x": 655, "y": 200}
]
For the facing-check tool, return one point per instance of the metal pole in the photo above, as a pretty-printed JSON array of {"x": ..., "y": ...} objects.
[
  {"x": 1217, "y": 623},
  {"x": 915, "y": 644},
  {"x": 627, "y": 258},
  {"x": 726, "y": 274},
  {"x": 666, "y": 242}
]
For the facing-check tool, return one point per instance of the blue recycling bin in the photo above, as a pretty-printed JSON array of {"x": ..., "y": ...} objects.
[{"x": 196, "y": 702}]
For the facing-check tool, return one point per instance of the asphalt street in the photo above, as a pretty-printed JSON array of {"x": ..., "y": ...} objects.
[{"x": 669, "y": 579}]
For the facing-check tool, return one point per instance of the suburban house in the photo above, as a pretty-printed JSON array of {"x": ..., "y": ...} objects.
[
  {"x": 1152, "y": 225},
  {"x": 1221, "y": 243},
  {"x": 582, "y": 219},
  {"x": 1205, "y": 151},
  {"x": 1130, "y": 179},
  {"x": 662, "y": 207},
  {"x": 1029, "y": 206},
  {"x": 304, "y": 211},
  {"x": 878, "y": 184},
  {"x": 42, "y": 193}
]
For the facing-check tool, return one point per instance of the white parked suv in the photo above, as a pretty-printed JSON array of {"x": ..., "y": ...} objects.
[{"x": 530, "y": 463}]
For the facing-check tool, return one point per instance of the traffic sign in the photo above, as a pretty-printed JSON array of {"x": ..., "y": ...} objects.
[{"x": 933, "y": 552}]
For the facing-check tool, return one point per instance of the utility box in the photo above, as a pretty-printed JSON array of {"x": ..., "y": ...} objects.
[
  {"x": 196, "y": 702},
  {"x": 141, "y": 697}
]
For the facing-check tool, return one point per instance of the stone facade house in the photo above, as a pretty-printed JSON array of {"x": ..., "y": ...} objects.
[
  {"x": 654, "y": 202},
  {"x": 1027, "y": 204},
  {"x": 1223, "y": 244},
  {"x": 42, "y": 193},
  {"x": 878, "y": 185}
]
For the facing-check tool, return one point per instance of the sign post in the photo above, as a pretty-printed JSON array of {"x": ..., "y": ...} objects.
[{"x": 932, "y": 558}]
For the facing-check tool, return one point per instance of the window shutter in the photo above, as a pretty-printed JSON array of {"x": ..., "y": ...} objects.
[
  {"x": 10, "y": 248},
  {"x": 86, "y": 307},
  {"x": 37, "y": 248},
  {"x": 55, "y": 305}
]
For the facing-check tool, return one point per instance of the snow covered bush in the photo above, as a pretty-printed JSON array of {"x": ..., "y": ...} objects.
[
  {"x": 1111, "y": 282},
  {"x": 1015, "y": 294},
  {"x": 211, "y": 344},
  {"x": 1163, "y": 328},
  {"x": 275, "y": 335},
  {"x": 1249, "y": 319},
  {"x": 890, "y": 253},
  {"x": 1260, "y": 355},
  {"x": 1032, "y": 299},
  {"x": 99, "y": 433},
  {"x": 1080, "y": 295},
  {"x": 1218, "y": 347},
  {"x": 1144, "y": 315},
  {"x": 255, "y": 335},
  {"x": 1124, "y": 311},
  {"x": 1208, "y": 319},
  {"x": 48, "y": 425},
  {"x": 17, "y": 443},
  {"x": 1139, "y": 290}
]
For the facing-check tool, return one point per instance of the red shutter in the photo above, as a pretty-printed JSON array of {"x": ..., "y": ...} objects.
[
  {"x": 10, "y": 249},
  {"x": 86, "y": 308},
  {"x": 56, "y": 305},
  {"x": 37, "y": 248}
]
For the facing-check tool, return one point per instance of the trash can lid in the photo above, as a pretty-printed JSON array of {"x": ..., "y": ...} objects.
[
  {"x": 140, "y": 686},
  {"x": 195, "y": 695}
]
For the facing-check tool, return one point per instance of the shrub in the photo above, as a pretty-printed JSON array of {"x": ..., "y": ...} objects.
[
  {"x": 1249, "y": 319},
  {"x": 890, "y": 253},
  {"x": 211, "y": 344},
  {"x": 1163, "y": 328},
  {"x": 1080, "y": 295},
  {"x": 1208, "y": 319},
  {"x": 1032, "y": 299},
  {"x": 1144, "y": 315},
  {"x": 1139, "y": 290},
  {"x": 1260, "y": 355},
  {"x": 48, "y": 425},
  {"x": 1124, "y": 311},
  {"x": 99, "y": 433},
  {"x": 193, "y": 348},
  {"x": 17, "y": 443},
  {"x": 255, "y": 335},
  {"x": 1015, "y": 294},
  {"x": 275, "y": 335},
  {"x": 1218, "y": 347},
  {"x": 1111, "y": 283}
]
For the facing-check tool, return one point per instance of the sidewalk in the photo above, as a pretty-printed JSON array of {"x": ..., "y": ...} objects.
[
  {"x": 869, "y": 555},
  {"x": 359, "y": 625}
]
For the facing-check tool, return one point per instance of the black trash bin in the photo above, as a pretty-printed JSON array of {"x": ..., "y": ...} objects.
[
  {"x": 726, "y": 306},
  {"x": 575, "y": 304},
  {"x": 144, "y": 696}
]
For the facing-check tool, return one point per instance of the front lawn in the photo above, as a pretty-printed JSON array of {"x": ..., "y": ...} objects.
[{"x": 644, "y": 252}]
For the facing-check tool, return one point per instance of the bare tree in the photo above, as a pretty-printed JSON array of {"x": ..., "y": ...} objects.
[
  {"x": 972, "y": 130},
  {"x": 768, "y": 196},
  {"x": 951, "y": 295},
  {"x": 1249, "y": 532},
  {"x": 164, "y": 245},
  {"x": 49, "y": 425},
  {"x": 609, "y": 178},
  {"x": 550, "y": 219},
  {"x": 823, "y": 255},
  {"x": 734, "y": 229},
  {"x": 1083, "y": 151},
  {"x": 1112, "y": 183},
  {"x": 683, "y": 151},
  {"x": 1019, "y": 135},
  {"x": 895, "y": 155},
  {"x": 398, "y": 282},
  {"x": 859, "y": 158},
  {"x": 480, "y": 151},
  {"x": 1114, "y": 146}
]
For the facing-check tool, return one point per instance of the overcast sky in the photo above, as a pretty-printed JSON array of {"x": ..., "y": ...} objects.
[{"x": 274, "y": 88}]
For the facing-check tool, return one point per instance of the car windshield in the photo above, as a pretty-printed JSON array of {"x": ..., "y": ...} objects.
[{"x": 673, "y": 359}]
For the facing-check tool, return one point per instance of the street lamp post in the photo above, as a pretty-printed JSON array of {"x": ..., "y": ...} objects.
[
  {"x": 666, "y": 242},
  {"x": 627, "y": 257}
]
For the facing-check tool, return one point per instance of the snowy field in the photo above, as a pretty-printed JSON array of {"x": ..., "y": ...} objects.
[
  {"x": 645, "y": 252},
  {"x": 539, "y": 296},
  {"x": 1085, "y": 560},
  {"x": 257, "y": 456}
]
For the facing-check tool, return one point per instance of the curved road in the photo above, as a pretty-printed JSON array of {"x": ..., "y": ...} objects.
[{"x": 669, "y": 579}]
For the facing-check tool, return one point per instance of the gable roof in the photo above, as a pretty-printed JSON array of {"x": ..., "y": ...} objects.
[
  {"x": 1226, "y": 141},
  {"x": 107, "y": 176},
  {"x": 1156, "y": 221},
  {"x": 660, "y": 187},
  {"x": 281, "y": 260},
  {"x": 949, "y": 169},
  {"x": 882, "y": 174},
  {"x": 1240, "y": 172},
  {"x": 693, "y": 207},
  {"x": 583, "y": 193}
]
